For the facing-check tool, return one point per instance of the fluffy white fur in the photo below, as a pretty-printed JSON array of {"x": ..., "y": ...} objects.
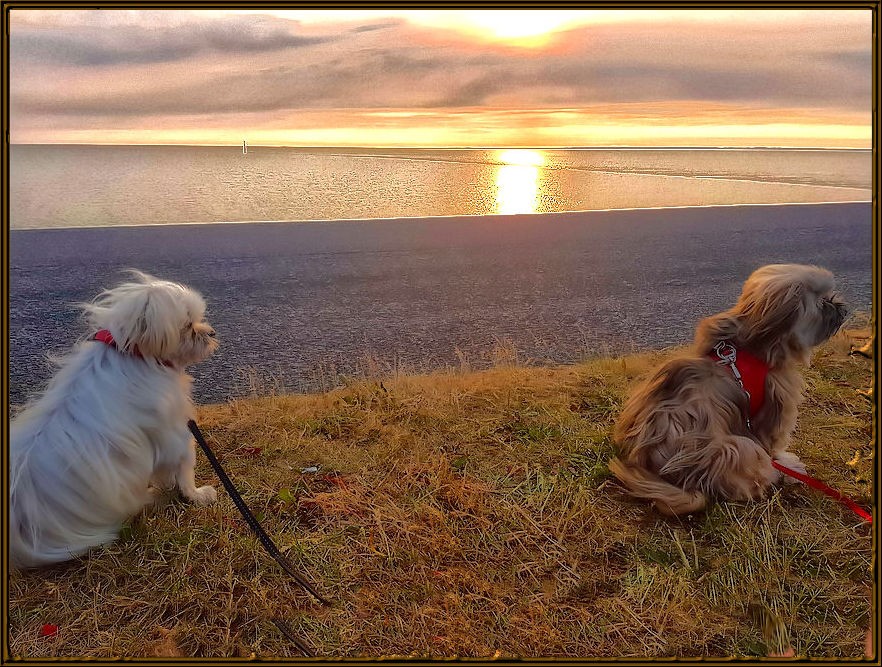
[
  {"x": 111, "y": 428},
  {"x": 682, "y": 436}
]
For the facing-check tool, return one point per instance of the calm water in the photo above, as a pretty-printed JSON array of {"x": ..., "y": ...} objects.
[{"x": 70, "y": 186}]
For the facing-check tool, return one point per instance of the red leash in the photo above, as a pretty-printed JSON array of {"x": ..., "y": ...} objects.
[{"x": 820, "y": 486}]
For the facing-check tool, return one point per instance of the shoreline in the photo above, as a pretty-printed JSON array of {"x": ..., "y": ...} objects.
[{"x": 497, "y": 216}]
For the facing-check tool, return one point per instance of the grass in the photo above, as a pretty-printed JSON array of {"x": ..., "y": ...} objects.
[{"x": 472, "y": 514}]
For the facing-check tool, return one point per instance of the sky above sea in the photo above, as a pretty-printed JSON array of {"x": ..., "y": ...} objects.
[{"x": 430, "y": 78}]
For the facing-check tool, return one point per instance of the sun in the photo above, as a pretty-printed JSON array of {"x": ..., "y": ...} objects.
[
  {"x": 525, "y": 27},
  {"x": 521, "y": 158}
]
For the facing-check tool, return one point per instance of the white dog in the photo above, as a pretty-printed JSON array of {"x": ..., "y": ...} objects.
[{"x": 111, "y": 424}]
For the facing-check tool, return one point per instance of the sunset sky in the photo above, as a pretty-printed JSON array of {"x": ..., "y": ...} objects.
[{"x": 442, "y": 77}]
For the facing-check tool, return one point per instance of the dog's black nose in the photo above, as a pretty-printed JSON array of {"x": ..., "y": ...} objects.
[{"x": 212, "y": 333}]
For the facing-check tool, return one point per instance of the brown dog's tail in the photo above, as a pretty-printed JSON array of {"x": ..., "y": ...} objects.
[{"x": 667, "y": 498}]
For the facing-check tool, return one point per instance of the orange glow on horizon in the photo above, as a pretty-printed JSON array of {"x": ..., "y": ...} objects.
[
  {"x": 663, "y": 123},
  {"x": 481, "y": 130},
  {"x": 521, "y": 158}
]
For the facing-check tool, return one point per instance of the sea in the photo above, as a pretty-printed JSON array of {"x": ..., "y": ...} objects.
[
  {"x": 322, "y": 264},
  {"x": 98, "y": 186}
]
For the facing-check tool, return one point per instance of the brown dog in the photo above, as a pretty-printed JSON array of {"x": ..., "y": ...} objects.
[{"x": 710, "y": 423}]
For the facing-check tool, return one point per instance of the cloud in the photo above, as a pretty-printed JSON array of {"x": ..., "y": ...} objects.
[
  {"x": 382, "y": 25},
  {"x": 170, "y": 66},
  {"x": 104, "y": 45}
]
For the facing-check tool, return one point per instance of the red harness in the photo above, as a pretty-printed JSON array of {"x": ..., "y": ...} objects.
[
  {"x": 104, "y": 336},
  {"x": 749, "y": 370}
]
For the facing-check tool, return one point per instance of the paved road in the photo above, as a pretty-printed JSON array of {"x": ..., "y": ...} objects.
[{"x": 300, "y": 301}]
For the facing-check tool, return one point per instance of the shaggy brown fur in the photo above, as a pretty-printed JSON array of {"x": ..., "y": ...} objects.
[{"x": 683, "y": 437}]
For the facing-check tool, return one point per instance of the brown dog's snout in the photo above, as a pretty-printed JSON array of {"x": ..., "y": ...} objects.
[
  {"x": 835, "y": 313},
  {"x": 842, "y": 310}
]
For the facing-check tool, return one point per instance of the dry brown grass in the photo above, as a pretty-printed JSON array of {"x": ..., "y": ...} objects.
[{"x": 472, "y": 514}]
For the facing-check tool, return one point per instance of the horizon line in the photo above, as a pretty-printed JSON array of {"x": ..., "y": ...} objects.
[{"x": 460, "y": 147}]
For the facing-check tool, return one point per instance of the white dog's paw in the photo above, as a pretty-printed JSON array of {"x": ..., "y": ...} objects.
[
  {"x": 204, "y": 495},
  {"x": 791, "y": 460},
  {"x": 163, "y": 483}
]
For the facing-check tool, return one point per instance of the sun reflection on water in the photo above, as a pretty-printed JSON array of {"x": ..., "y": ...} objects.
[{"x": 517, "y": 181}]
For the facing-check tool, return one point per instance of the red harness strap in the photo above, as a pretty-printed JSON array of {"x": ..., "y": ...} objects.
[
  {"x": 753, "y": 375},
  {"x": 104, "y": 336},
  {"x": 748, "y": 369}
]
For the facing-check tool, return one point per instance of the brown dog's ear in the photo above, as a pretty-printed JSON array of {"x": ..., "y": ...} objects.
[
  {"x": 773, "y": 311},
  {"x": 713, "y": 329}
]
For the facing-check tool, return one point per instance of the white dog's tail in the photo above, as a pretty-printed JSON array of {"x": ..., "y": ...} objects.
[{"x": 667, "y": 498}]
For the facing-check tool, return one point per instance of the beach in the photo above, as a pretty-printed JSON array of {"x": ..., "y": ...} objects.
[{"x": 297, "y": 305}]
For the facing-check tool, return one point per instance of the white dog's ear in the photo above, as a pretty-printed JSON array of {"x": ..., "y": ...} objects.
[
  {"x": 142, "y": 277},
  {"x": 149, "y": 319}
]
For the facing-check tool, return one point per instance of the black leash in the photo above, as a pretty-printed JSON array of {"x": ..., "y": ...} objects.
[
  {"x": 290, "y": 636},
  {"x": 265, "y": 540}
]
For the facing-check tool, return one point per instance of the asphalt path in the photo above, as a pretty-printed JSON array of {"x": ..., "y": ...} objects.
[{"x": 297, "y": 305}]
